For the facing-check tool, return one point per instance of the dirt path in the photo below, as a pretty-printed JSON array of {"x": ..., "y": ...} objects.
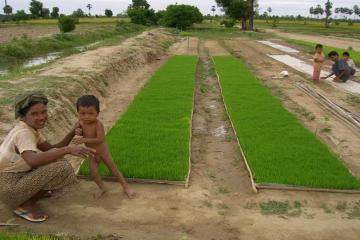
[
  {"x": 186, "y": 46},
  {"x": 219, "y": 204},
  {"x": 325, "y": 40}
]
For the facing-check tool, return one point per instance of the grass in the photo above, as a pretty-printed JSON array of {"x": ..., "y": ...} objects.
[
  {"x": 81, "y": 21},
  {"x": 151, "y": 140},
  {"x": 23, "y": 48},
  {"x": 277, "y": 146},
  {"x": 310, "y": 47},
  {"x": 29, "y": 236},
  {"x": 313, "y": 27}
]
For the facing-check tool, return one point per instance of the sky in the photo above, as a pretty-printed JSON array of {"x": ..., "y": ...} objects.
[{"x": 279, "y": 7}]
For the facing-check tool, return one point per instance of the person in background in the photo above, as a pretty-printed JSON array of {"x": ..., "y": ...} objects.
[
  {"x": 340, "y": 68},
  {"x": 319, "y": 59},
  {"x": 350, "y": 62}
]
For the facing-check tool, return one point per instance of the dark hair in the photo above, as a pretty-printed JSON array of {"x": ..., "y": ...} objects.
[
  {"x": 318, "y": 46},
  {"x": 333, "y": 53},
  {"x": 22, "y": 112},
  {"x": 88, "y": 101},
  {"x": 346, "y": 54}
]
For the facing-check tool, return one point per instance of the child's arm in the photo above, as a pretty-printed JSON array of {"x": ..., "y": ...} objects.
[{"x": 100, "y": 135}]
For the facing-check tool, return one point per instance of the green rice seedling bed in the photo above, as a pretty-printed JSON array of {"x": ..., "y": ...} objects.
[
  {"x": 278, "y": 148},
  {"x": 151, "y": 140}
]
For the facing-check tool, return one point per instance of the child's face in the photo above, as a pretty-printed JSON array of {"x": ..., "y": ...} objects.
[
  {"x": 87, "y": 114},
  {"x": 318, "y": 50},
  {"x": 346, "y": 57}
]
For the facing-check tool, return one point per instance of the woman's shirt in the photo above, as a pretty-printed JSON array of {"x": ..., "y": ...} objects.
[{"x": 20, "y": 139}]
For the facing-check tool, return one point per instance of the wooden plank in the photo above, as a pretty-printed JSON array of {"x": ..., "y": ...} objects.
[{"x": 138, "y": 180}]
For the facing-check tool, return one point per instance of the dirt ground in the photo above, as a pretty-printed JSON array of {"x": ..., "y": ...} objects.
[
  {"x": 325, "y": 40},
  {"x": 32, "y": 31},
  {"x": 219, "y": 204}
]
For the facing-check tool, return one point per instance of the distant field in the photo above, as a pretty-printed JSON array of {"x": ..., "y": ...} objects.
[
  {"x": 82, "y": 20},
  {"x": 313, "y": 27}
]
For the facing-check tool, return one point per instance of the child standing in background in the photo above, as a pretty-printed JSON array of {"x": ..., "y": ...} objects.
[{"x": 319, "y": 59}]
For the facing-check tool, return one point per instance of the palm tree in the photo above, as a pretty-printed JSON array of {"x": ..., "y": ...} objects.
[
  {"x": 213, "y": 9},
  {"x": 89, "y": 6}
]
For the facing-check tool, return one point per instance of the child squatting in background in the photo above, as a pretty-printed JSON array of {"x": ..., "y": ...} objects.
[
  {"x": 350, "y": 62},
  {"x": 319, "y": 59},
  {"x": 91, "y": 133}
]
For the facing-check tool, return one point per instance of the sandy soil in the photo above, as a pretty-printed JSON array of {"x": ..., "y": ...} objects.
[
  {"x": 185, "y": 46},
  {"x": 325, "y": 40},
  {"x": 219, "y": 204},
  {"x": 215, "y": 49}
]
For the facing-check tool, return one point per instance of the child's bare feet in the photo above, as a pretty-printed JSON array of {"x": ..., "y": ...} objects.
[
  {"x": 100, "y": 193},
  {"x": 131, "y": 194}
]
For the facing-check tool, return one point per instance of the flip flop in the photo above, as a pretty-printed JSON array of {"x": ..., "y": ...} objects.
[{"x": 28, "y": 215}]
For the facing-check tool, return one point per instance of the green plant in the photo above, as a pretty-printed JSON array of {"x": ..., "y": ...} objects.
[
  {"x": 151, "y": 140},
  {"x": 228, "y": 23},
  {"x": 67, "y": 24},
  {"x": 277, "y": 146},
  {"x": 181, "y": 16}
]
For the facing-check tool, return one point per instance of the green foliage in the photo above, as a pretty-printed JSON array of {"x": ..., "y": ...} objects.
[
  {"x": 20, "y": 15},
  {"x": 36, "y": 8},
  {"x": 140, "y": 4},
  {"x": 181, "y": 16},
  {"x": 7, "y": 9},
  {"x": 67, "y": 24},
  {"x": 108, "y": 13},
  {"x": 79, "y": 13},
  {"x": 143, "y": 16},
  {"x": 45, "y": 13},
  {"x": 277, "y": 146},
  {"x": 55, "y": 12},
  {"x": 228, "y": 23},
  {"x": 151, "y": 140}
]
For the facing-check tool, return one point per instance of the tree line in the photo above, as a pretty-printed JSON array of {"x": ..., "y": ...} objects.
[{"x": 37, "y": 10}]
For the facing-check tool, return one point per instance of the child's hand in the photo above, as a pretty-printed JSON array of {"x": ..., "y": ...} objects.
[
  {"x": 78, "y": 140},
  {"x": 78, "y": 131}
]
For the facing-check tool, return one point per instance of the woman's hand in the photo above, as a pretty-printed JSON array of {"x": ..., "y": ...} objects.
[{"x": 81, "y": 151}]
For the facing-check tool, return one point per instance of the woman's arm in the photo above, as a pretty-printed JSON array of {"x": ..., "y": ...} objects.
[
  {"x": 35, "y": 159},
  {"x": 45, "y": 146}
]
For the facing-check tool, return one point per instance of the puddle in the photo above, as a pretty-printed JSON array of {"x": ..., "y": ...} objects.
[
  {"x": 303, "y": 67},
  {"x": 41, "y": 60},
  {"x": 279, "y": 47},
  {"x": 219, "y": 132},
  {"x": 4, "y": 72}
]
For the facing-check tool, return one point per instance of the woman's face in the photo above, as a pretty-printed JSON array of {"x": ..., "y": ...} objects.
[{"x": 36, "y": 116}]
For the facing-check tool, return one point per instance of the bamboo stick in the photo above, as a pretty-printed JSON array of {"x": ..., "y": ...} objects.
[{"x": 304, "y": 189}]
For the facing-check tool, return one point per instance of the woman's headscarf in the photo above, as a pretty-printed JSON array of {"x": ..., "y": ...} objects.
[{"x": 24, "y": 100}]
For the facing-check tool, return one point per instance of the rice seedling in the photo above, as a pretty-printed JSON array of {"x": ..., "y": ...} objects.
[
  {"x": 279, "y": 149},
  {"x": 151, "y": 140}
]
